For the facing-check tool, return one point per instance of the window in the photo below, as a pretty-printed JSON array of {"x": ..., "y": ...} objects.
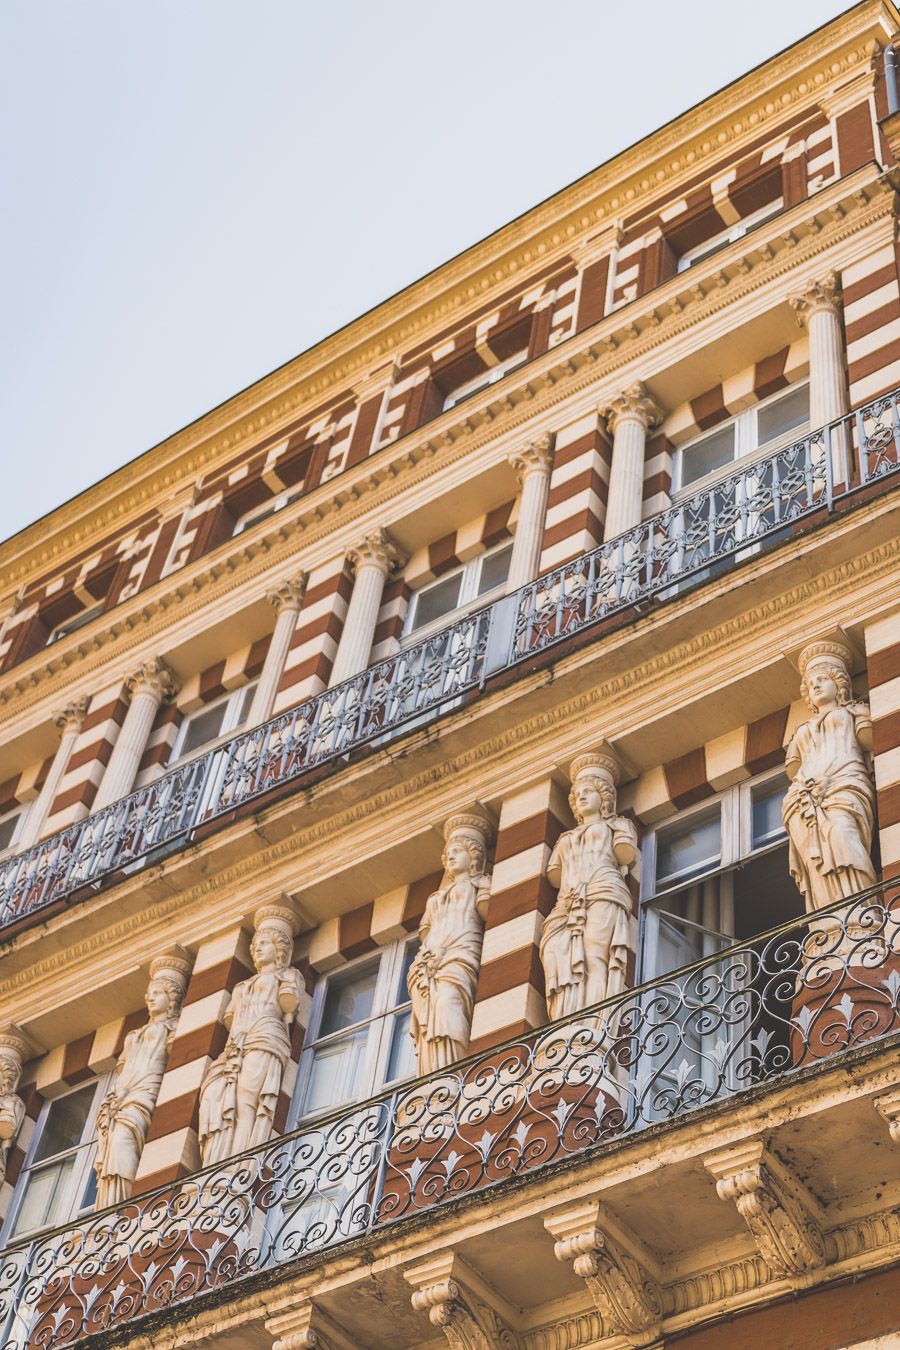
[
  {"x": 476, "y": 579},
  {"x": 11, "y": 823},
  {"x": 58, "y": 1180},
  {"x": 765, "y": 428},
  {"x": 358, "y": 1037},
  {"x": 208, "y": 724},
  {"x": 483, "y": 379},
  {"x": 72, "y": 625},
  {"x": 725, "y": 237},
  {"x": 715, "y": 874},
  {"x": 269, "y": 508}
]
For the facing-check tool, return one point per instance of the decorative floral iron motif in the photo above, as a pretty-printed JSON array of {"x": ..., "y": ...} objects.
[{"x": 750, "y": 1015}]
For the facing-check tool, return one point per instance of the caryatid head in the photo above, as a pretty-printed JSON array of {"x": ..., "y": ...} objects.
[
  {"x": 593, "y": 793},
  {"x": 272, "y": 944},
  {"x": 825, "y": 675},
  {"x": 169, "y": 975},
  {"x": 466, "y": 844}
]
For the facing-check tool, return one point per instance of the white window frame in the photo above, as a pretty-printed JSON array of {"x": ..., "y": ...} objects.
[
  {"x": 266, "y": 509},
  {"x": 746, "y": 443},
  {"x": 380, "y": 1022},
  {"x": 87, "y": 1149},
  {"x": 234, "y": 699},
  {"x": 77, "y": 621},
  {"x": 468, "y": 595},
  {"x": 700, "y": 252},
  {"x": 22, "y": 810},
  {"x": 484, "y": 379},
  {"x": 735, "y": 807}
]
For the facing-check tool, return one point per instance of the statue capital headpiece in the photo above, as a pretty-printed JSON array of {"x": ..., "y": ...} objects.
[
  {"x": 174, "y": 966},
  {"x": 824, "y": 651},
  {"x": 470, "y": 824},
  {"x": 277, "y": 918},
  {"x": 595, "y": 761}
]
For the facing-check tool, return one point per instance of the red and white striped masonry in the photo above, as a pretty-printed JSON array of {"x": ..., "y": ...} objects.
[
  {"x": 314, "y": 644},
  {"x": 872, "y": 322},
  {"x": 883, "y": 662},
  {"x": 579, "y": 485},
  {"x": 90, "y": 756}
]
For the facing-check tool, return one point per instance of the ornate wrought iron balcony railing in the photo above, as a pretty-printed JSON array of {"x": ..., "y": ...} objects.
[
  {"x": 759, "y": 504},
  {"x": 749, "y": 1016}
]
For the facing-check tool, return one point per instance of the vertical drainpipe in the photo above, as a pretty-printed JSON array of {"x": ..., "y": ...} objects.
[{"x": 890, "y": 78}]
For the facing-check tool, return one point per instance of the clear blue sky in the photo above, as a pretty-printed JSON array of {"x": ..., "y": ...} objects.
[{"x": 196, "y": 190}]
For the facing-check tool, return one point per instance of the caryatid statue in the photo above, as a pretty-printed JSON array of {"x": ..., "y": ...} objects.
[
  {"x": 14, "y": 1049},
  {"x": 829, "y": 808},
  {"x": 587, "y": 936},
  {"x": 124, "y": 1115},
  {"x": 239, "y": 1092},
  {"x": 443, "y": 977}
]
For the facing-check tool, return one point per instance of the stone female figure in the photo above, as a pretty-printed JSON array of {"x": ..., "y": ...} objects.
[
  {"x": 829, "y": 808},
  {"x": 123, "y": 1117},
  {"x": 239, "y": 1093},
  {"x": 587, "y": 936},
  {"x": 443, "y": 978}
]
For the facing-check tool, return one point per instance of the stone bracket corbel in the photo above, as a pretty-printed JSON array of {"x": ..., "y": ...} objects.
[
  {"x": 470, "y": 1314},
  {"x": 782, "y": 1216},
  {"x": 614, "y": 1265},
  {"x": 888, "y": 1107},
  {"x": 307, "y": 1327}
]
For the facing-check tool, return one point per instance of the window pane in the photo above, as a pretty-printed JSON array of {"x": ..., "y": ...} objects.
[
  {"x": 767, "y": 824},
  {"x": 432, "y": 602},
  {"x": 8, "y": 829},
  {"x": 684, "y": 851},
  {"x": 783, "y": 415},
  {"x": 402, "y": 1058},
  {"x": 707, "y": 455},
  {"x": 65, "y": 1123},
  {"x": 337, "y": 1072},
  {"x": 494, "y": 570},
  {"x": 349, "y": 999},
  {"x": 46, "y": 1200},
  {"x": 202, "y": 728},
  {"x": 245, "y": 699},
  {"x": 409, "y": 956}
]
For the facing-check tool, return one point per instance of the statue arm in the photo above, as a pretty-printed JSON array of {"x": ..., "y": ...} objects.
[
  {"x": 483, "y": 896},
  {"x": 862, "y": 718},
  {"x": 289, "y": 987},
  {"x": 624, "y": 841},
  {"x": 554, "y": 867},
  {"x": 792, "y": 758}
]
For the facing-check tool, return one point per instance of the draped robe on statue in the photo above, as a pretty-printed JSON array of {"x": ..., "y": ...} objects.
[
  {"x": 444, "y": 975},
  {"x": 124, "y": 1115},
  {"x": 829, "y": 808},
  {"x": 587, "y": 936},
  {"x": 249, "y": 1070}
]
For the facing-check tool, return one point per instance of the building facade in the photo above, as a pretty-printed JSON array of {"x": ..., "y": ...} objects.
[{"x": 450, "y": 798}]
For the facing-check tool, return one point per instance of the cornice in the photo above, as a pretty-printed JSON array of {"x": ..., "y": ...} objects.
[
  {"x": 725, "y": 121},
  {"x": 594, "y": 362},
  {"x": 527, "y": 746}
]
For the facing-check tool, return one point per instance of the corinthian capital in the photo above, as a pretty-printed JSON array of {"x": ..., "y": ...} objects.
[
  {"x": 288, "y": 594},
  {"x": 633, "y": 404},
  {"x": 71, "y": 717},
  {"x": 822, "y": 295},
  {"x": 535, "y": 457},
  {"x": 376, "y": 550},
  {"x": 153, "y": 677}
]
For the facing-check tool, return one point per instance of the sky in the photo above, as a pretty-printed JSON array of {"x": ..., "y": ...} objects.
[{"x": 194, "y": 191}]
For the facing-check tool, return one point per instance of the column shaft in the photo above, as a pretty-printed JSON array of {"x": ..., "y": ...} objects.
[
  {"x": 630, "y": 416},
  {"x": 69, "y": 721},
  {"x": 533, "y": 466},
  {"x": 152, "y": 683},
  {"x": 372, "y": 560},
  {"x": 286, "y": 601}
]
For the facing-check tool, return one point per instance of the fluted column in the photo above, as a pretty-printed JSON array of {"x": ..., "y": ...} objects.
[
  {"x": 818, "y": 309},
  {"x": 286, "y": 600},
  {"x": 533, "y": 465},
  {"x": 149, "y": 686},
  {"x": 372, "y": 561},
  {"x": 629, "y": 417},
  {"x": 70, "y": 722}
]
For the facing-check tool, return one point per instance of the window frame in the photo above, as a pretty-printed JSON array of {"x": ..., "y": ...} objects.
[
  {"x": 22, "y": 810},
  {"x": 234, "y": 700},
  {"x": 66, "y": 627},
  {"x": 484, "y": 379},
  {"x": 381, "y": 1022},
  {"x": 747, "y": 449},
  {"x": 700, "y": 252},
  {"x": 264, "y": 510},
  {"x": 86, "y": 1148},
  {"x": 470, "y": 573}
]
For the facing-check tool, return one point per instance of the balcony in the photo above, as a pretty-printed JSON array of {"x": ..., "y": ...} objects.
[
  {"x": 774, "y": 1012},
  {"x": 760, "y": 505}
]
